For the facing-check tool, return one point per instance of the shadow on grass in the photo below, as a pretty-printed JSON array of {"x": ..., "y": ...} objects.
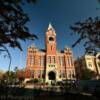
[{"x": 16, "y": 93}]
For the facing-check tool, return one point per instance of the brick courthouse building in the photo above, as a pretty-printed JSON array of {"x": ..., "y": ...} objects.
[{"x": 49, "y": 64}]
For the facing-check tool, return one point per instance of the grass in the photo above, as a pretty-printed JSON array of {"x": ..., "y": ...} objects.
[{"x": 39, "y": 94}]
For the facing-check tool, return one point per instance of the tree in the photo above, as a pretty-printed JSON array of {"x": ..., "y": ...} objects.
[
  {"x": 9, "y": 77},
  {"x": 16, "y": 70},
  {"x": 1, "y": 74},
  {"x": 13, "y": 27},
  {"x": 87, "y": 74},
  {"x": 13, "y": 21},
  {"x": 89, "y": 31},
  {"x": 21, "y": 74}
]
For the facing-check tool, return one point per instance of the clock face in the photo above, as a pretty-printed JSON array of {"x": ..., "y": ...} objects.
[{"x": 51, "y": 39}]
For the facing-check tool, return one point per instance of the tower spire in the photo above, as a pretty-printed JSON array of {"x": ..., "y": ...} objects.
[{"x": 50, "y": 27}]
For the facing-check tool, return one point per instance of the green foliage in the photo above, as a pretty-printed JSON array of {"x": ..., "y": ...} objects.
[
  {"x": 16, "y": 69},
  {"x": 10, "y": 74},
  {"x": 13, "y": 21},
  {"x": 13, "y": 28},
  {"x": 9, "y": 77},
  {"x": 87, "y": 74},
  {"x": 33, "y": 81},
  {"x": 89, "y": 31},
  {"x": 40, "y": 80}
]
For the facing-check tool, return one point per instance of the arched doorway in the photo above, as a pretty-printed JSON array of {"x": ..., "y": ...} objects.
[{"x": 52, "y": 75}]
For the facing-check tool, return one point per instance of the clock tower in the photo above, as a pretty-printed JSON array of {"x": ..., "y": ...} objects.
[
  {"x": 51, "y": 65},
  {"x": 50, "y": 41}
]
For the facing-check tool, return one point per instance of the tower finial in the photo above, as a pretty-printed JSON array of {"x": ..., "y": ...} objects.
[{"x": 50, "y": 26}]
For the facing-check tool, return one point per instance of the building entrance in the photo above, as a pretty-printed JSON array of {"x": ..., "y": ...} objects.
[{"x": 52, "y": 75}]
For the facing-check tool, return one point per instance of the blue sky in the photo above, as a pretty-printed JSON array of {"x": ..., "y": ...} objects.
[{"x": 62, "y": 14}]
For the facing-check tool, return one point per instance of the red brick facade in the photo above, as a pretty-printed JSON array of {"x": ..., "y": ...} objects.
[{"x": 49, "y": 64}]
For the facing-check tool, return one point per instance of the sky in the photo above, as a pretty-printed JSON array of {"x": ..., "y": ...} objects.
[{"x": 61, "y": 14}]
